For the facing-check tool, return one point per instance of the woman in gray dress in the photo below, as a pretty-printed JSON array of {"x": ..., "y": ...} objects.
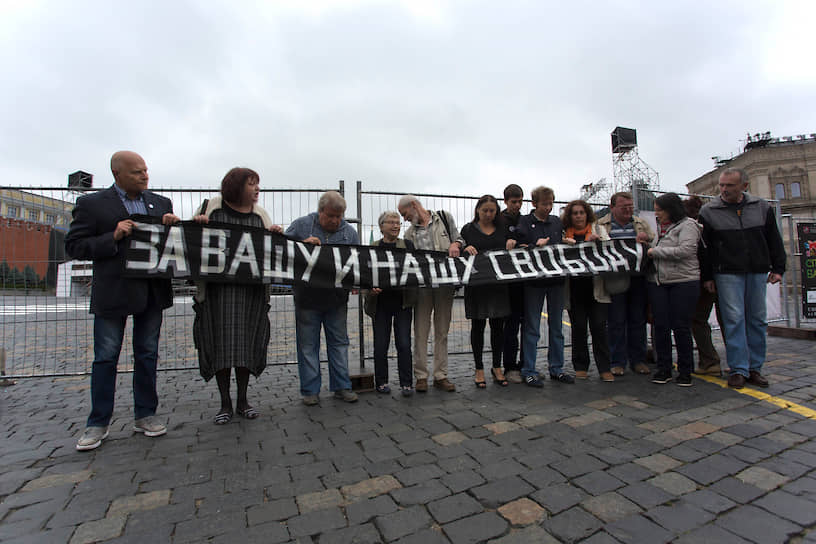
[{"x": 231, "y": 326}]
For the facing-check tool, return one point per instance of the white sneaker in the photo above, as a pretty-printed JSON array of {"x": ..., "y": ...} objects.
[
  {"x": 92, "y": 438},
  {"x": 150, "y": 426}
]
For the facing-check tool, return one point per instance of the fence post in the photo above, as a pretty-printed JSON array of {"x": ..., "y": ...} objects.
[
  {"x": 796, "y": 293},
  {"x": 360, "y": 300},
  {"x": 4, "y": 382}
]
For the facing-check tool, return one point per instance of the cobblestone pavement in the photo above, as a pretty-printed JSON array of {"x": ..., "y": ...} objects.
[{"x": 593, "y": 462}]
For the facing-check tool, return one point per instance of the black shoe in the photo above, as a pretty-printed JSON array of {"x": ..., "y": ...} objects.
[
  {"x": 755, "y": 378},
  {"x": 533, "y": 381},
  {"x": 563, "y": 378},
  {"x": 684, "y": 380},
  {"x": 662, "y": 376}
]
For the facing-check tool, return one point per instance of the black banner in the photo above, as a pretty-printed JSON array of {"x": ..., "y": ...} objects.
[
  {"x": 228, "y": 253},
  {"x": 807, "y": 247}
]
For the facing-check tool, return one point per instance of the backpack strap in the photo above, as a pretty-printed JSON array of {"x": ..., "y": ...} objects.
[{"x": 443, "y": 216}]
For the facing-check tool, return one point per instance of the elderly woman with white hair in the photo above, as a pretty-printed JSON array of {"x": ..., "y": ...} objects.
[{"x": 392, "y": 307}]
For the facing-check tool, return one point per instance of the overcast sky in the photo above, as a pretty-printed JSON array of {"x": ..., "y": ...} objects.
[{"x": 421, "y": 96}]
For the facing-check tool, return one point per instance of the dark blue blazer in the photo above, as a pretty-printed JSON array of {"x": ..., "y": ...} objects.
[{"x": 90, "y": 238}]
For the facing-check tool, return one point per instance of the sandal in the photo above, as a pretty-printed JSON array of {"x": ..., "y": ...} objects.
[
  {"x": 502, "y": 381},
  {"x": 383, "y": 388},
  {"x": 248, "y": 413},
  {"x": 481, "y": 384},
  {"x": 222, "y": 418},
  {"x": 407, "y": 390}
]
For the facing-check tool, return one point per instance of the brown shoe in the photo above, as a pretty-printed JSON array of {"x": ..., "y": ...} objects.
[
  {"x": 581, "y": 374},
  {"x": 641, "y": 368},
  {"x": 711, "y": 370},
  {"x": 755, "y": 378},
  {"x": 607, "y": 377},
  {"x": 421, "y": 385},
  {"x": 444, "y": 385},
  {"x": 617, "y": 371},
  {"x": 736, "y": 381}
]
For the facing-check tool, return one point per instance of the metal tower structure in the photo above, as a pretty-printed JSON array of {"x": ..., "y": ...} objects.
[
  {"x": 598, "y": 192},
  {"x": 631, "y": 173}
]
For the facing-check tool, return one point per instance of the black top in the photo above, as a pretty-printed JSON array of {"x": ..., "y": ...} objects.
[
  {"x": 390, "y": 300},
  {"x": 474, "y": 236}
]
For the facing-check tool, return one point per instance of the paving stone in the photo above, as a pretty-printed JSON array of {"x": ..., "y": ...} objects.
[
  {"x": 572, "y": 525},
  {"x": 679, "y": 518},
  {"x": 370, "y": 488},
  {"x": 403, "y": 522},
  {"x": 462, "y": 480},
  {"x": 95, "y": 531},
  {"x": 315, "y": 523},
  {"x": 790, "y": 507},
  {"x": 367, "y": 509},
  {"x": 493, "y": 494},
  {"x": 358, "y": 534},
  {"x": 81, "y": 508},
  {"x": 542, "y": 477},
  {"x": 528, "y": 535},
  {"x": 276, "y": 510},
  {"x": 658, "y": 463},
  {"x": 761, "y": 478},
  {"x": 475, "y": 529},
  {"x": 736, "y": 490},
  {"x": 142, "y": 501},
  {"x": 673, "y": 483},
  {"x": 420, "y": 494},
  {"x": 450, "y": 438},
  {"x": 711, "y": 469},
  {"x": 598, "y": 482},
  {"x": 522, "y": 512},
  {"x": 600, "y": 537},
  {"x": 638, "y": 529},
  {"x": 502, "y": 469},
  {"x": 415, "y": 475},
  {"x": 38, "y": 537},
  {"x": 53, "y": 480},
  {"x": 710, "y": 534},
  {"x": 454, "y": 507},
  {"x": 9, "y": 530},
  {"x": 724, "y": 438},
  {"x": 757, "y": 525},
  {"x": 645, "y": 494},
  {"x": 610, "y": 506},
  {"x": 630, "y": 473},
  {"x": 805, "y": 487},
  {"x": 457, "y": 462},
  {"x": 559, "y": 497},
  {"x": 425, "y": 536},
  {"x": 578, "y": 464},
  {"x": 500, "y": 427},
  {"x": 708, "y": 500}
]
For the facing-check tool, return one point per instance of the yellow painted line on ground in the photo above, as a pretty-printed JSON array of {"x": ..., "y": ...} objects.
[
  {"x": 776, "y": 401},
  {"x": 567, "y": 323}
]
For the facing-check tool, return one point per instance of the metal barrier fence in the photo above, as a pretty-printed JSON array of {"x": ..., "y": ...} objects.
[
  {"x": 42, "y": 334},
  {"x": 792, "y": 280}
]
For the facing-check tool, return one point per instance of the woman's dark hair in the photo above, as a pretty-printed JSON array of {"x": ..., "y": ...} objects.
[
  {"x": 566, "y": 215},
  {"x": 232, "y": 186},
  {"x": 671, "y": 204},
  {"x": 692, "y": 205},
  {"x": 482, "y": 201}
]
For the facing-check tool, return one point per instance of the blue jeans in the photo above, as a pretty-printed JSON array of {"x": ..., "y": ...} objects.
[
  {"x": 533, "y": 303},
  {"x": 307, "y": 328},
  {"x": 742, "y": 304},
  {"x": 673, "y": 307},
  {"x": 627, "y": 325},
  {"x": 108, "y": 335}
]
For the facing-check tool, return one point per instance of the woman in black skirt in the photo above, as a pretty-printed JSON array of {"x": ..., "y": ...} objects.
[
  {"x": 488, "y": 302},
  {"x": 231, "y": 326}
]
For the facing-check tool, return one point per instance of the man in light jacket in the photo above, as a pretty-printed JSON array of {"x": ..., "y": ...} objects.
[{"x": 434, "y": 231}]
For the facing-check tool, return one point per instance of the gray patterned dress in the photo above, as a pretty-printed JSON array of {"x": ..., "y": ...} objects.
[{"x": 231, "y": 326}]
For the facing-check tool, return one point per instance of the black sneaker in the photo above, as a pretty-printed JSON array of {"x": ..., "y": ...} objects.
[
  {"x": 563, "y": 378},
  {"x": 684, "y": 380},
  {"x": 662, "y": 376},
  {"x": 533, "y": 381}
]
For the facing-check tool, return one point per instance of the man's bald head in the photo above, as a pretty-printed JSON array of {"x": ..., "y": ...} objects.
[{"x": 130, "y": 172}]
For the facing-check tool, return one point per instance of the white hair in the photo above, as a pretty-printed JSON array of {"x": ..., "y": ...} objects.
[
  {"x": 331, "y": 199},
  {"x": 387, "y": 215},
  {"x": 407, "y": 200}
]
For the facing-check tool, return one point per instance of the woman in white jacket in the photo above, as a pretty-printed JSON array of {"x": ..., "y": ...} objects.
[{"x": 673, "y": 286}]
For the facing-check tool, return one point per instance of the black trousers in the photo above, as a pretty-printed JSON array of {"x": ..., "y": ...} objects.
[
  {"x": 401, "y": 320},
  {"x": 477, "y": 329},
  {"x": 584, "y": 309}
]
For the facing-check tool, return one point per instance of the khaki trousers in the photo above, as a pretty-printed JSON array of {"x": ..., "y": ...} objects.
[{"x": 439, "y": 302}]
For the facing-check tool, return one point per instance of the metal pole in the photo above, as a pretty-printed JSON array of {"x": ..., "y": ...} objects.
[
  {"x": 4, "y": 382},
  {"x": 783, "y": 285},
  {"x": 635, "y": 196},
  {"x": 793, "y": 276},
  {"x": 360, "y": 298}
]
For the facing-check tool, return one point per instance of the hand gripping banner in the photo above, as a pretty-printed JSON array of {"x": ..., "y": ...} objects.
[{"x": 219, "y": 252}]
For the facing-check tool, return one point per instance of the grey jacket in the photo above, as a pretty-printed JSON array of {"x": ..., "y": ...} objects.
[
  {"x": 439, "y": 233},
  {"x": 675, "y": 255}
]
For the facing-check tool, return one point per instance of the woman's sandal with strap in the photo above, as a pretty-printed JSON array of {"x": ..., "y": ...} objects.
[
  {"x": 500, "y": 381},
  {"x": 248, "y": 413},
  {"x": 222, "y": 418}
]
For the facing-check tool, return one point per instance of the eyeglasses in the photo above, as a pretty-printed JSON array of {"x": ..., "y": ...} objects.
[{"x": 391, "y": 222}]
